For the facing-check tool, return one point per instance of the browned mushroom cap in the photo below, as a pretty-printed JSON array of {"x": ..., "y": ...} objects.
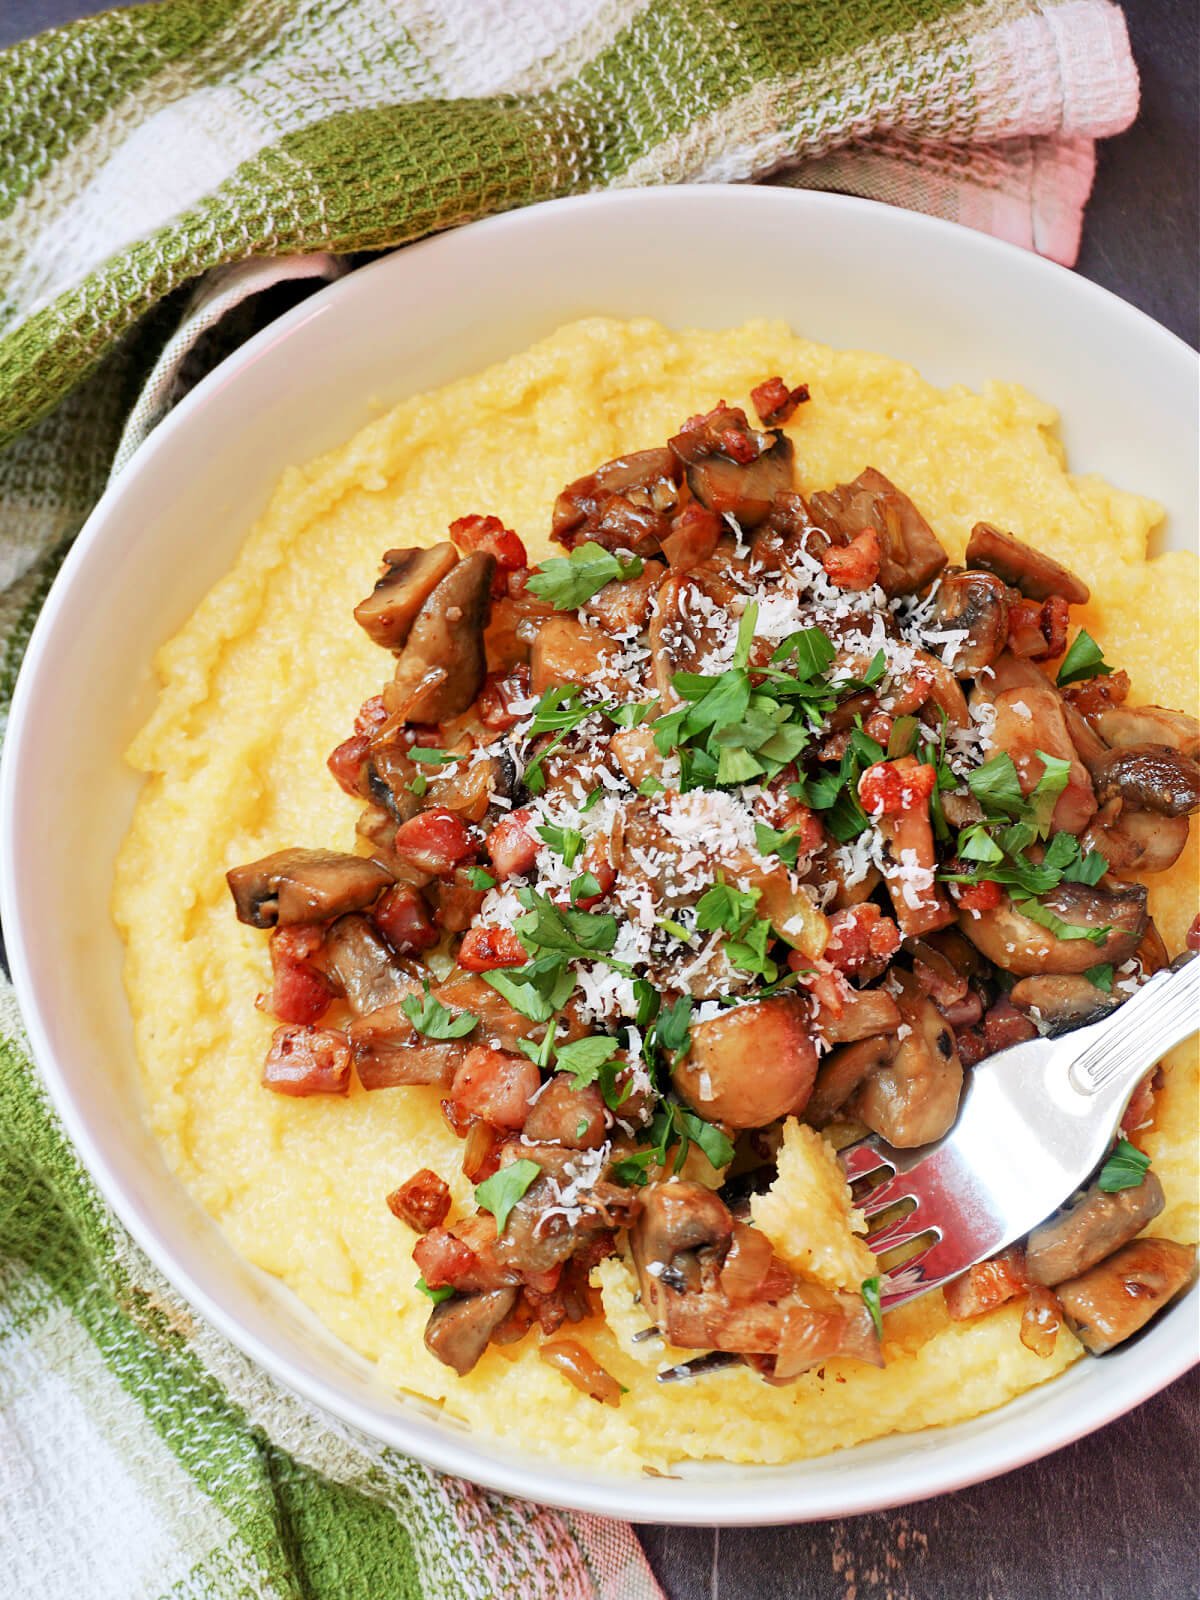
[
  {"x": 1079, "y": 1235},
  {"x": 841, "y": 1073},
  {"x": 1122, "y": 726},
  {"x": 733, "y": 488},
  {"x": 913, "y": 1099},
  {"x": 910, "y": 553},
  {"x": 1152, "y": 776},
  {"x": 364, "y": 966},
  {"x": 750, "y": 1066},
  {"x": 1116, "y": 916},
  {"x": 458, "y": 1330},
  {"x": 304, "y": 886},
  {"x": 1037, "y": 576},
  {"x": 866, "y": 1012},
  {"x": 539, "y": 1232},
  {"x": 624, "y": 505},
  {"x": 1060, "y": 1002},
  {"x": 389, "y": 1052},
  {"x": 442, "y": 666},
  {"x": 682, "y": 630},
  {"x": 678, "y": 1217},
  {"x": 978, "y": 603},
  {"x": 1135, "y": 841},
  {"x": 388, "y": 612},
  {"x": 1120, "y": 1295},
  {"x": 389, "y": 771}
]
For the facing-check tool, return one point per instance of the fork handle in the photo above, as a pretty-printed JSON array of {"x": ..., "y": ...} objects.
[{"x": 1163, "y": 1012}]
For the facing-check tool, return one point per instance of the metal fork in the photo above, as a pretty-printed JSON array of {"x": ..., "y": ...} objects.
[{"x": 1033, "y": 1123}]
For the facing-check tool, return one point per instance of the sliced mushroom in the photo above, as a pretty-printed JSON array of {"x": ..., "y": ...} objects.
[
  {"x": 541, "y": 1232},
  {"x": 976, "y": 602},
  {"x": 1135, "y": 841},
  {"x": 685, "y": 626},
  {"x": 678, "y": 1217},
  {"x": 388, "y": 612},
  {"x": 390, "y": 773},
  {"x": 442, "y": 666},
  {"x": 625, "y": 603},
  {"x": 841, "y": 1073},
  {"x": 1155, "y": 777},
  {"x": 625, "y": 504},
  {"x": 1061, "y": 1002},
  {"x": 567, "y": 651},
  {"x": 750, "y": 1066},
  {"x": 1122, "y": 726},
  {"x": 389, "y": 1052},
  {"x": 1089, "y": 746},
  {"x": 1115, "y": 916},
  {"x": 913, "y": 1099},
  {"x": 863, "y": 1012},
  {"x": 304, "y": 886},
  {"x": 562, "y": 1114},
  {"x": 911, "y": 555},
  {"x": 1081, "y": 1234},
  {"x": 1116, "y": 1298},
  {"x": 1036, "y": 575},
  {"x": 458, "y": 1330},
  {"x": 364, "y": 966},
  {"x": 740, "y": 490}
]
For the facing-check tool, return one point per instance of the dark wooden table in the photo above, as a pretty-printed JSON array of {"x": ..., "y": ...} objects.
[{"x": 1113, "y": 1517}]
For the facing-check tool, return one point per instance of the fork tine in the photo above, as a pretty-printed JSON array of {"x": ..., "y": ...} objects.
[
  {"x": 903, "y": 1231},
  {"x": 942, "y": 1261},
  {"x": 867, "y": 1156},
  {"x": 899, "y": 1187}
]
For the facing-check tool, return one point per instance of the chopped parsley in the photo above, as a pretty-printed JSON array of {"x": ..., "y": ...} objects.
[
  {"x": 569, "y": 581},
  {"x": 1084, "y": 659},
  {"x": 500, "y": 1193},
  {"x": 538, "y": 989},
  {"x": 671, "y": 1125},
  {"x": 565, "y": 842},
  {"x": 781, "y": 842},
  {"x": 585, "y": 887},
  {"x": 594, "y": 1060},
  {"x": 433, "y": 1019},
  {"x": 436, "y": 1295},
  {"x": 870, "y": 1294},
  {"x": 479, "y": 879},
  {"x": 581, "y": 935},
  {"x": 1125, "y": 1168},
  {"x": 1101, "y": 977}
]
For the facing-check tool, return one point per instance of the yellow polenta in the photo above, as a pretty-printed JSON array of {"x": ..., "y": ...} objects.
[{"x": 265, "y": 679}]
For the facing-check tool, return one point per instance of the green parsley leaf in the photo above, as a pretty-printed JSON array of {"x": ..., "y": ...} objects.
[
  {"x": 650, "y": 785},
  {"x": 541, "y": 1053},
  {"x": 561, "y": 708},
  {"x": 1087, "y": 869},
  {"x": 567, "y": 582},
  {"x": 672, "y": 1029},
  {"x": 725, "y": 908},
  {"x": 585, "y": 887},
  {"x": 479, "y": 879},
  {"x": 1036, "y": 912},
  {"x": 737, "y": 766},
  {"x": 1084, "y": 659},
  {"x": 433, "y": 1019},
  {"x": 500, "y": 1193},
  {"x": 781, "y": 842},
  {"x": 748, "y": 952},
  {"x": 427, "y": 756},
  {"x": 418, "y": 785},
  {"x": 875, "y": 670},
  {"x": 648, "y": 1001},
  {"x": 1046, "y": 791},
  {"x": 902, "y": 740},
  {"x": 586, "y": 1061},
  {"x": 715, "y": 1144},
  {"x": 870, "y": 1294},
  {"x": 629, "y": 713},
  {"x": 538, "y": 989},
  {"x": 436, "y": 1295},
  {"x": 545, "y": 926},
  {"x": 596, "y": 794},
  {"x": 1125, "y": 1168},
  {"x": 810, "y": 652},
  {"x": 996, "y": 785},
  {"x": 675, "y": 929},
  {"x": 565, "y": 842},
  {"x": 976, "y": 844},
  {"x": 632, "y": 1169},
  {"x": 867, "y": 751},
  {"x": 1101, "y": 977},
  {"x": 745, "y": 634}
]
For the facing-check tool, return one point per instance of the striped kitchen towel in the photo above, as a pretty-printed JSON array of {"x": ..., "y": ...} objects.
[{"x": 170, "y": 175}]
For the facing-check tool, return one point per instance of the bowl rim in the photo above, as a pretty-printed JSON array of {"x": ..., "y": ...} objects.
[{"x": 477, "y": 1457}]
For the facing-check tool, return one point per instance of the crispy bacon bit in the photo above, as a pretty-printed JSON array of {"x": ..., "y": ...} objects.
[
  {"x": 971, "y": 1046},
  {"x": 495, "y": 1086},
  {"x": 423, "y": 1202},
  {"x": 582, "y": 1369},
  {"x": 491, "y": 536},
  {"x": 371, "y": 716},
  {"x": 456, "y": 901},
  {"x": 1041, "y": 1321},
  {"x": 444, "y": 1261},
  {"x": 306, "y": 1060},
  {"x": 434, "y": 841},
  {"x": 860, "y": 938},
  {"x": 854, "y": 566},
  {"x": 484, "y": 949},
  {"x": 1038, "y": 632},
  {"x": 695, "y": 534},
  {"x": 891, "y": 787},
  {"x": 403, "y": 918},
  {"x": 496, "y": 698},
  {"x": 1094, "y": 695},
  {"x": 1193, "y": 935},
  {"x": 512, "y": 846},
  {"x": 1004, "y": 1026},
  {"x": 346, "y": 763},
  {"x": 775, "y": 402},
  {"x": 300, "y": 993},
  {"x": 982, "y": 896},
  {"x": 987, "y": 1284}
]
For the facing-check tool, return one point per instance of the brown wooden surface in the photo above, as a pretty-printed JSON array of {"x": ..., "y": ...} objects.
[{"x": 1113, "y": 1517}]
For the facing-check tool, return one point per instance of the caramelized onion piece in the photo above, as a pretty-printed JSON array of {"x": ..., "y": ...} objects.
[
  {"x": 581, "y": 1368},
  {"x": 1040, "y": 1321},
  {"x": 1035, "y": 574}
]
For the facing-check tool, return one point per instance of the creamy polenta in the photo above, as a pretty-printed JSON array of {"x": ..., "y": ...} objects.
[{"x": 267, "y": 675}]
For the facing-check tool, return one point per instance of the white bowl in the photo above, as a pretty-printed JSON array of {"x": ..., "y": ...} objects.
[{"x": 956, "y": 304}]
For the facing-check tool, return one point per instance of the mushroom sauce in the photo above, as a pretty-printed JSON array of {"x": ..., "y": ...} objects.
[{"x": 745, "y": 814}]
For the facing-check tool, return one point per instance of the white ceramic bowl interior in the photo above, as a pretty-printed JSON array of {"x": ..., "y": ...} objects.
[{"x": 956, "y": 304}]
